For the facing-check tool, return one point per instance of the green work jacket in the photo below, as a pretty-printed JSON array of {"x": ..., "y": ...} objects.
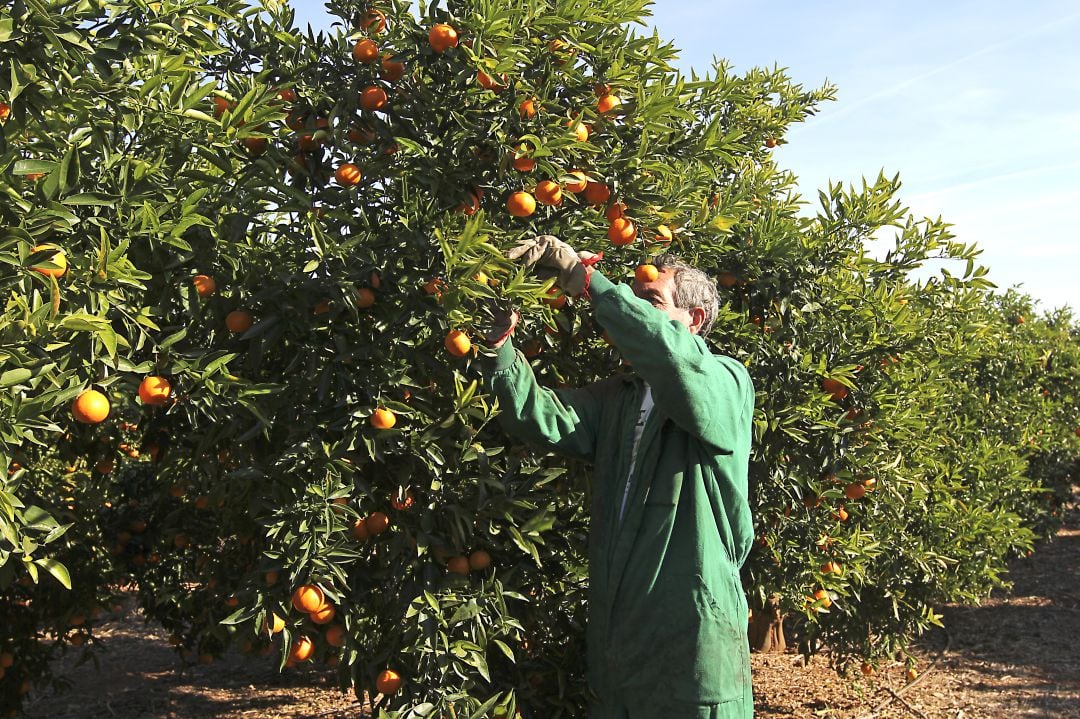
[{"x": 667, "y": 619}]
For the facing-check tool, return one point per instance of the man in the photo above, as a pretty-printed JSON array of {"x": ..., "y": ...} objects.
[{"x": 670, "y": 523}]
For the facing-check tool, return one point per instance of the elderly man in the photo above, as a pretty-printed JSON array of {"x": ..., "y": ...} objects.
[{"x": 670, "y": 522}]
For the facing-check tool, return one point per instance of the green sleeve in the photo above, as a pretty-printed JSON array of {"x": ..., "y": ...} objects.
[
  {"x": 562, "y": 421},
  {"x": 709, "y": 396}
]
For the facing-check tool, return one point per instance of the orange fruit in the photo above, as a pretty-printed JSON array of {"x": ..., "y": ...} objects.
[
  {"x": 841, "y": 514},
  {"x": 607, "y": 104},
  {"x": 373, "y": 21},
  {"x": 597, "y": 193},
  {"x": 301, "y": 649},
  {"x": 335, "y": 635},
  {"x": 403, "y": 505},
  {"x": 580, "y": 130},
  {"x": 579, "y": 183},
  {"x": 308, "y": 598},
  {"x": 360, "y": 530},
  {"x": 457, "y": 343},
  {"x": 154, "y": 390},
  {"x": 57, "y": 258},
  {"x": 614, "y": 211},
  {"x": 324, "y": 614},
  {"x": 855, "y": 490},
  {"x": 255, "y": 146},
  {"x": 373, "y": 98},
  {"x": 366, "y": 50},
  {"x": 383, "y": 419},
  {"x": 204, "y": 285},
  {"x": 5, "y": 111},
  {"x": 377, "y": 523},
  {"x": 348, "y": 175},
  {"x": 7, "y": 660},
  {"x": 646, "y": 273},
  {"x": 727, "y": 279},
  {"x": 388, "y": 681},
  {"x": 458, "y": 565},
  {"x": 521, "y": 204},
  {"x": 911, "y": 675},
  {"x": 527, "y": 108},
  {"x": 390, "y": 69},
  {"x": 90, "y": 407},
  {"x": 434, "y": 286},
  {"x": 365, "y": 298},
  {"x": 287, "y": 94},
  {"x": 479, "y": 560},
  {"x": 442, "y": 37},
  {"x": 220, "y": 105},
  {"x": 822, "y": 596},
  {"x": 549, "y": 193},
  {"x": 831, "y": 568},
  {"x": 489, "y": 83},
  {"x": 663, "y": 233},
  {"x": 104, "y": 466},
  {"x": 867, "y": 669},
  {"x": 622, "y": 232},
  {"x": 601, "y": 89},
  {"x": 835, "y": 388},
  {"x": 524, "y": 164},
  {"x": 770, "y": 142},
  {"x": 239, "y": 321}
]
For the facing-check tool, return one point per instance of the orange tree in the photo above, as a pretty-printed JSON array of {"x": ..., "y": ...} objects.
[{"x": 281, "y": 248}]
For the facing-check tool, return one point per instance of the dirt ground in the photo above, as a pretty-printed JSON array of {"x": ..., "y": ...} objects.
[{"x": 1015, "y": 656}]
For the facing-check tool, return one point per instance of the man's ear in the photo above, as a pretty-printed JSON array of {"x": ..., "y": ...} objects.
[{"x": 697, "y": 319}]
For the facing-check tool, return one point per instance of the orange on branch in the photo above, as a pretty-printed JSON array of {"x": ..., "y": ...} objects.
[
  {"x": 549, "y": 193},
  {"x": 457, "y": 343},
  {"x": 348, "y": 175},
  {"x": 521, "y": 204},
  {"x": 154, "y": 390},
  {"x": 646, "y": 273},
  {"x": 205, "y": 285},
  {"x": 239, "y": 321},
  {"x": 308, "y": 598},
  {"x": 442, "y": 37},
  {"x": 57, "y": 258},
  {"x": 622, "y": 232},
  {"x": 90, "y": 407},
  {"x": 597, "y": 193},
  {"x": 366, "y": 51},
  {"x": 388, "y": 681},
  {"x": 373, "y": 98},
  {"x": 383, "y": 419}
]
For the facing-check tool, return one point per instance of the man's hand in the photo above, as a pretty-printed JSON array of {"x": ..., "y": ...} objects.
[
  {"x": 503, "y": 322},
  {"x": 554, "y": 258}
]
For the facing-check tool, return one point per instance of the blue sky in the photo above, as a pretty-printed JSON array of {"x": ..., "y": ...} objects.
[{"x": 975, "y": 104}]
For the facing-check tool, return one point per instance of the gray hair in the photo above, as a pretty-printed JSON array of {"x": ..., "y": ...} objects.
[{"x": 693, "y": 288}]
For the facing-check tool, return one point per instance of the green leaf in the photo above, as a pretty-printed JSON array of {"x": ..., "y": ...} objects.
[{"x": 55, "y": 568}]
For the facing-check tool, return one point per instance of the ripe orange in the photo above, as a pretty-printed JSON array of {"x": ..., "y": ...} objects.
[
  {"x": 366, "y": 50},
  {"x": 90, "y": 407},
  {"x": 457, "y": 343},
  {"x": 383, "y": 419},
  {"x": 822, "y": 596},
  {"x": 580, "y": 130},
  {"x": 5, "y": 111},
  {"x": 663, "y": 233},
  {"x": 867, "y": 669},
  {"x": 524, "y": 164},
  {"x": 220, "y": 106},
  {"x": 348, "y": 175},
  {"x": 335, "y": 635},
  {"x": 204, "y": 285},
  {"x": 365, "y": 298},
  {"x": 622, "y": 232},
  {"x": 377, "y": 523},
  {"x": 7, "y": 660},
  {"x": 835, "y": 388},
  {"x": 308, "y": 598},
  {"x": 388, "y": 681},
  {"x": 601, "y": 89},
  {"x": 527, "y": 108},
  {"x": 597, "y": 193},
  {"x": 490, "y": 83},
  {"x": 154, "y": 390},
  {"x": 458, "y": 565},
  {"x": 442, "y": 37},
  {"x": 549, "y": 193},
  {"x": 614, "y": 211},
  {"x": 521, "y": 204},
  {"x": 360, "y": 531},
  {"x": 391, "y": 69},
  {"x": 104, "y": 466},
  {"x": 403, "y": 505},
  {"x": 373, "y": 21},
  {"x": 301, "y": 649},
  {"x": 855, "y": 490},
  {"x": 770, "y": 142},
  {"x": 373, "y": 98},
  {"x": 324, "y": 614},
  {"x": 841, "y": 514},
  {"x": 287, "y": 94},
  {"x": 479, "y": 560},
  {"x": 579, "y": 183},
  {"x": 727, "y": 279},
  {"x": 831, "y": 568},
  {"x": 646, "y": 273},
  {"x": 255, "y": 146},
  {"x": 911, "y": 675},
  {"x": 434, "y": 286},
  {"x": 239, "y": 321},
  {"x": 607, "y": 104},
  {"x": 57, "y": 258}
]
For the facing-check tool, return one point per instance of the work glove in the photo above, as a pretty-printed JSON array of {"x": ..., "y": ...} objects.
[
  {"x": 554, "y": 258},
  {"x": 503, "y": 322}
]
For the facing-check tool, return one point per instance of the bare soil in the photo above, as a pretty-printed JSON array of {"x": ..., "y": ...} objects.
[{"x": 1014, "y": 656}]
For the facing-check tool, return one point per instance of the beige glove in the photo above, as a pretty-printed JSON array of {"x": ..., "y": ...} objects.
[{"x": 553, "y": 258}]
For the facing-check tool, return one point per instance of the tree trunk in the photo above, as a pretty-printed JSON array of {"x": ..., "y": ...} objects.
[{"x": 766, "y": 632}]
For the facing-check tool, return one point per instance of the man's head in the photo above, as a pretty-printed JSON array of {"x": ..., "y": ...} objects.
[{"x": 683, "y": 293}]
